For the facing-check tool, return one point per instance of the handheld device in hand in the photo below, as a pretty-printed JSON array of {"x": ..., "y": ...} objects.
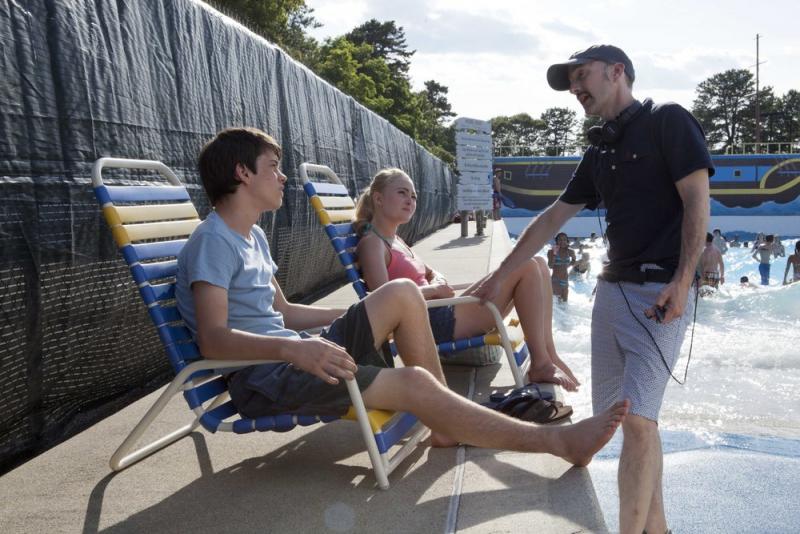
[{"x": 658, "y": 313}]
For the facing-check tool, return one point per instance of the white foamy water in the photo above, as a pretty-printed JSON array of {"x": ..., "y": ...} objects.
[{"x": 744, "y": 374}]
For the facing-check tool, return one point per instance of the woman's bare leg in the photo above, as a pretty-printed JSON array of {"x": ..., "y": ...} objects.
[
  {"x": 522, "y": 289},
  {"x": 547, "y": 303}
]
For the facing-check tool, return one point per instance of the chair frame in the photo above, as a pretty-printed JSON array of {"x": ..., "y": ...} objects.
[
  {"x": 198, "y": 378},
  {"x": 337, "y": 215}
]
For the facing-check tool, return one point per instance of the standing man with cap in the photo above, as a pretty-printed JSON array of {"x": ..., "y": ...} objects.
[{"x": 649, "y": 166}]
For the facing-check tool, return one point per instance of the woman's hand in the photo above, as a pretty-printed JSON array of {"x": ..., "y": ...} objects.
[{"x": 438, "y": 290}]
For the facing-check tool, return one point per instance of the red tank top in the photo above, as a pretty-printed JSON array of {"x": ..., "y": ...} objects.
[{"x": 403, "y": 266}]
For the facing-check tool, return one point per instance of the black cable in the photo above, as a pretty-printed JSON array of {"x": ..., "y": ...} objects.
[{"x": 652, "y": 338}]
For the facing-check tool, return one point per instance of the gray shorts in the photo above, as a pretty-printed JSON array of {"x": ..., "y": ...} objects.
[
  {"x": 625, "y": 362},
  {"x": 273, "y": 389}
]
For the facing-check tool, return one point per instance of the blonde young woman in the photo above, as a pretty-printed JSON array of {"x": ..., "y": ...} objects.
[{"x": 390, "y": 201}]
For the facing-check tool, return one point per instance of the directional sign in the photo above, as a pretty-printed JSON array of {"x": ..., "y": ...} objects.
[
  {"x": 474, "y": 197},
  {"x": 464, "y": 123},
  {"x": 464, "y": 138},
  {"x": 477, "y": 165},
  {"x": 469, "y": 177},
  {"x": 474, "y": 152}
]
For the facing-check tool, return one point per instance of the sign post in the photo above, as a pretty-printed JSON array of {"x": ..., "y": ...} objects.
[{"x": 474, "y": 164}]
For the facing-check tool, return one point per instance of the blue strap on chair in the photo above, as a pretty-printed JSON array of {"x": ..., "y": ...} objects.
[
  {"x": 150, "y": 224},
  {"x": 335, "y": 211}
]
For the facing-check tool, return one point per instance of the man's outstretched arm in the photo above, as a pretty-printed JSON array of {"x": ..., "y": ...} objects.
[{"x": 536, "y": 234}]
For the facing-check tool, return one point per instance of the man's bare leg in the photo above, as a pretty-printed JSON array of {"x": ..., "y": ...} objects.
[
  {"x": 415, "y": 390},
  {"x": 399, "y": 308},
  {"x": 656, "y": 518},
  {"x": 640, "y": 466}
]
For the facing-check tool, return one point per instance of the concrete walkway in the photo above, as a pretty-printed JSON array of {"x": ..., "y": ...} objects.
[{"x": 315, "y": 479}]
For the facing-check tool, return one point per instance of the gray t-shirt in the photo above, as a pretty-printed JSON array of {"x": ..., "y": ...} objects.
[{"x": 220, "y": 256}]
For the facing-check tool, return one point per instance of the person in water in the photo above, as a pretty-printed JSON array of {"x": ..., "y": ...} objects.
[
  {"x": 794, "y": 261},
  {"x": 745, "y": 282},
  {"x": 720, "y": 243},
  {"x": 762, "y": 252},
  {"x": 778, "y": 250},
  {"x": 711, "y": 266},
  {"x": 390, "y": 201},
  {"x": 559, "y": 259},
  {"x": 581, "y": 266}
]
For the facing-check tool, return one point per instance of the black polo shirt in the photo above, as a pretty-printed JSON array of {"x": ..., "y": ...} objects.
[{"x": 635, "y": 179}]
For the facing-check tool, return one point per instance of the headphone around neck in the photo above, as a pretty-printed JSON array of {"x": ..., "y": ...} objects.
[{"x": 611, "y": 131}]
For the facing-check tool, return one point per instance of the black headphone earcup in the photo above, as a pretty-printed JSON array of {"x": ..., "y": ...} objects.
[
  {"x": 611, "y": 132},
  {"x": 595, "y": 135}
]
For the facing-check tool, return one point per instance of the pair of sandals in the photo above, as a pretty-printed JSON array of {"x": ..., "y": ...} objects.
[{"x": 529, "y": 403}]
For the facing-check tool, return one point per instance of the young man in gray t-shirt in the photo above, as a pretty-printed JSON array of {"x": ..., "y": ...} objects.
[{"x": 229, "y": 297}]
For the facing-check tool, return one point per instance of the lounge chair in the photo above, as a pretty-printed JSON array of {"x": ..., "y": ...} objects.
[
  {"x": 335, "y": 210},
  {"x": 150, "y": 224}
]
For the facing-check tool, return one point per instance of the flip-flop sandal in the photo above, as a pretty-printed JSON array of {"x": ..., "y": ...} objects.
[
  {"x": 544, "y": 412},
  {"x": 509, "y": 402},
  {"x": 532, "y": 389}
]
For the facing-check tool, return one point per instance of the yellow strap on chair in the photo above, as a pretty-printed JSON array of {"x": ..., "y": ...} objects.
[
  {"x": 156, "y": 212},
  {"x": 377, "y": 418}
]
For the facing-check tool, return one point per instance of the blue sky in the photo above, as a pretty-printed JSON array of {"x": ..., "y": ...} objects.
[{"x": 493, "y": 55}]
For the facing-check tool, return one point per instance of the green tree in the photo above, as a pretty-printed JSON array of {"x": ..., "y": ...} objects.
[
  {"x": 434, "y": 110},
  {"x": 388, "y": 41},
  {"x": 779, "y": 120},
  {"x": 558, "y": 134},
  {"x": 283, "y": 22},
  {"x": 516, "y": 135},
  {"x": 353, "y": 70},
  {"x": 790, "y": 103},
  {"x": 723, "y": 105}
]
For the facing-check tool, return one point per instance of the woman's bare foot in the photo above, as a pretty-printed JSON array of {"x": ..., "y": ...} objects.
[
  {"x": 578, "y": 443},
  {"x": 567, "y": 371},
  {"x": 552, "y": 374},
  {"x": 558, "y": 362}
]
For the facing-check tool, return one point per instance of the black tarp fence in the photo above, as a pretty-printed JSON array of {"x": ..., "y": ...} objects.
[{"x": 145, "y": 79}]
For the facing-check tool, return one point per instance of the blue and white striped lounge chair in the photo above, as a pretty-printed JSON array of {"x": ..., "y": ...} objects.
[
  {"x": 150, "y": 224},
  {"x": 336, "y": 213}
]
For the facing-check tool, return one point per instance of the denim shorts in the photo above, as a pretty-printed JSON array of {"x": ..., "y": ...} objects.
[
  {"x": 443, "y": 323},
  {"x": 272, "y": 389}
]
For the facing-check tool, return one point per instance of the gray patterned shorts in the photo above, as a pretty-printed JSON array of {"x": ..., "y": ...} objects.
[{"x": 625, "y": 362}]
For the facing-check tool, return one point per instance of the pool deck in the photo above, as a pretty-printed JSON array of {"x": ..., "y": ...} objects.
[{"x": 310, "y": 479}]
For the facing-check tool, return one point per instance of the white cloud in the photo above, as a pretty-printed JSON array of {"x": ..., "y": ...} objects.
[{"x": 493, "y": 55}]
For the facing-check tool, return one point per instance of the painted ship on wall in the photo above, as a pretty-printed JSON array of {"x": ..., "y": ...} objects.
[{"x": 749, "y": 193}]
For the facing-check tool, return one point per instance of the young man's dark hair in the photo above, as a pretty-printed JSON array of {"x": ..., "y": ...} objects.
[
  {"x": 770, "y": 238},
  {"x": 230, "y": 147},
  {"x": 709, "y": 237}
]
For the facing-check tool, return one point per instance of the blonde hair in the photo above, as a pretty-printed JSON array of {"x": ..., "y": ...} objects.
[{"x": 365, "y": 209}]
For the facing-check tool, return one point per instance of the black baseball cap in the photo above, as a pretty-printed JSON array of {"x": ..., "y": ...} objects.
[{"x": 558, "y": 74}]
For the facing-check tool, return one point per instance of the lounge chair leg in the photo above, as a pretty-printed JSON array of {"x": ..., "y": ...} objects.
[
  {"x": 369, "y": 438},
  {"x": 501, "y": 329},
  {"x": 121, "y": 459}
]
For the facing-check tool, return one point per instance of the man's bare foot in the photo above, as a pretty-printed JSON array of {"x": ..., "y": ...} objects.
[
  {"x": 551, "y": 374},
  {"x": 578, "y": 443},
  {"x": 441, "y": 441}
]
